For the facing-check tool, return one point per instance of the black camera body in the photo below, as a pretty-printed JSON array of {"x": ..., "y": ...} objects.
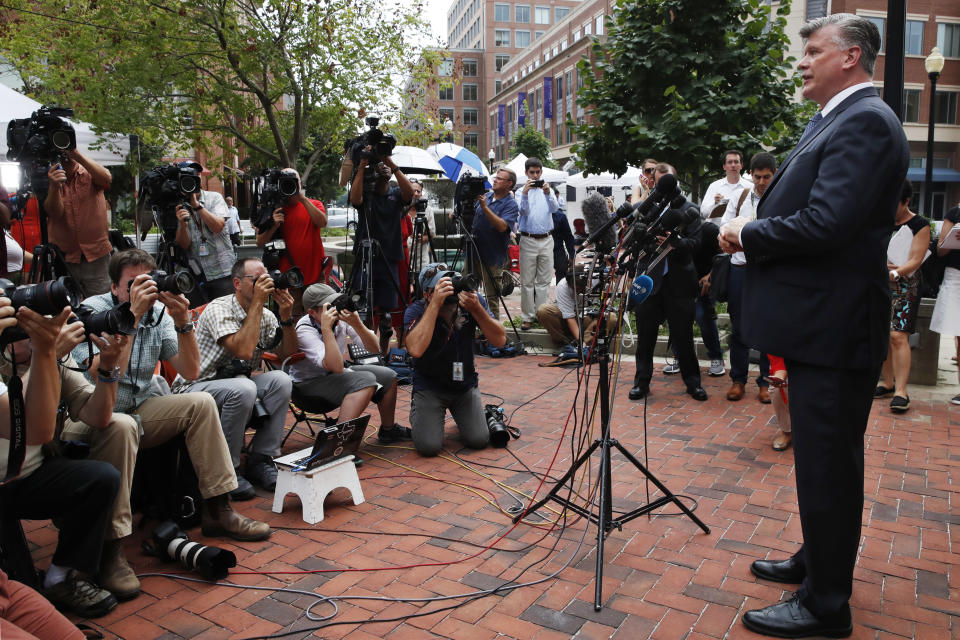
[
  {"x": 420, "y": 205},
  {"x": 347, "y": 302},
  {"x": 537, "y": 184},
  {"x": 42, "y": 138},
  {"x": 176, "y": 283},
  {"x": 499, "y": 436},
  {"x": 273, "y": 188},
  {"x": 46, "y": 298},
  {"x": 381, "y": 144},
  {"x": 234, "y": 368},
  {"x": 460, "y": 284},
  {"x": 110, "y": 321},
  {"x": 292, "y": 278},
  {"x": 165, "y": 188}
]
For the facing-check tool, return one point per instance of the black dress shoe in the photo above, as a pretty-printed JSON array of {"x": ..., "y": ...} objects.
[
  {"x": 789, "y": 571},
  {"x": 791, "y": 619},
  {"x": 639, "y": 392},
  {"x": 697, "y": 393}
]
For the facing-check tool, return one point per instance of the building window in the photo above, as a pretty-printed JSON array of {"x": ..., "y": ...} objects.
[
  {"x": 542, "y": 15},
  {"x": 882, "y": 27},
  {"x": 599, "y": 25},
  {"x": 577, "y": 36},
  {"x": 588, "y": 29},
  {"x": 911, "y": 105},
  {"x": 521, "y": 39},
  {"x": 563, "y": 45},
  {"x": 521, "y": 13},
  {"x": 446, "y": 68},
  {"x": 816, "y": 9},
  {"x": 945, "y": 109},
  {"x": 446, "y": 93},
  {"x": 554, "y": 52},
  {"x": 558, "y": 84},
  {"x": 501, "y": 37},
  {"x": 471, "y": 141},
  {"x": 559, "y": 13},
  {"x": 500, "y": 61},
  {"x": 446, "y": 113},
  {"x": 469, "y": 92},
  {"x": 470, "y": 69},
  {"x": 537, "y": 35},
  {"x": 569, "y": 131},
  {"x": 913, "y": 44},
  {"x": 471, "y": 117},
  {"x": 497, "y": 86},
  {"x": 501, "y": 13},
  {"x": 559, "y": 132},
  {"x": 948, "y": 39}
]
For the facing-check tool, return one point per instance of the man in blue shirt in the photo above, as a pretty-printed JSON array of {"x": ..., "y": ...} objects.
[
  {"x": 537, "y": 205},
  {"x": 495, "y": 217},
  {"x": 440, "y": 332}
]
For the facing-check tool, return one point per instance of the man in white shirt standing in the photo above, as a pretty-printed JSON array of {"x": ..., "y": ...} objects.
[
  {"x": 721, "y": 190},
  {"x": 537, "y": 204},
  {"x": 233, "y": 222}
]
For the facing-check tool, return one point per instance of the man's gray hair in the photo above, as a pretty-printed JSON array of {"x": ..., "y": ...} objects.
[{"x": 854, "y": 31}]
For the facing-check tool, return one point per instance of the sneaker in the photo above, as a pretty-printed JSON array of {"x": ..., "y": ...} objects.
[
  {"x": 955, "y": 399},
  {"x": 899, "y": 404},
  {"x": 262, "y": 472},
  {"x": 672, "y": 368},
  {"x": 80, "y": 596},
  {"x": 394, "y": 434},
  {"x": 244, "y": 490},
  {"x": 716, "y": 368}
]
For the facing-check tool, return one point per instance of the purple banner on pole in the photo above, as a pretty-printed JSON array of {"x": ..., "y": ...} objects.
[
  {"x": 522, "y": 108},
  {"x": 501, "y": 120},
  {"x": 548, "y": 97}
]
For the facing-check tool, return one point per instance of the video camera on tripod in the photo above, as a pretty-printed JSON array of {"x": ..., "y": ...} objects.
[
  {"x": 36, "y": 143},
  {"x": 381, "y": 144},
  {"x": 167, "y": 187},
  {"x": 270, "y": 191},
  {"x": 469, "y": 188}
]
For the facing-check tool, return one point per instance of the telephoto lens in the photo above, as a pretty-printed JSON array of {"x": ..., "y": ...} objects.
[
  {"x": 111, "y": 321},
  {"x": 46, "y": 298},
  {"x": 172, "y": 544},
  {"x": 176, "y": 283},
  {"x": 499, "y": 436},
  {"x": 292, "y": 278}
]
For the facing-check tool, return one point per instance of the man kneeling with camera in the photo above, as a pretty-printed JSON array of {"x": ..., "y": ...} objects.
[
  {"x": 322, "y": 335},
  {"x": 440, "y": 333},
  {"x": 144, "y": 417}
]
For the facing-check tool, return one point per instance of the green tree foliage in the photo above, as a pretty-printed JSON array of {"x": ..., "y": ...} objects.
[
  {"x": 533, "y": 144},
  {"x": 680, "y": 83},
  {"x": 286, "y": 81}
]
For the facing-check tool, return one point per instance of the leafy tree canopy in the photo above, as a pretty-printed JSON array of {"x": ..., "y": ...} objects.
[
  {"x": 679, "y": 83},
  {"x": 286, "y": 81},
  {"x": 533, "y": 144}
]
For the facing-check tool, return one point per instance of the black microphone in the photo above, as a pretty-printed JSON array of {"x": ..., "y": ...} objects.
[
  {"x": 596, "y": 215},
  {"x": 667, "y": 188}
]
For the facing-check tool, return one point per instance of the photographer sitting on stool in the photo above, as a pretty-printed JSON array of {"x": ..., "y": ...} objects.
[
  {"x": 440, "y": 335},
  {"x": 322, "y": 335}
]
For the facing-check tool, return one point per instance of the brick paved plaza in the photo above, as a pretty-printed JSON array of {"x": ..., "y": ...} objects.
[{"x": 664, "y": 578}]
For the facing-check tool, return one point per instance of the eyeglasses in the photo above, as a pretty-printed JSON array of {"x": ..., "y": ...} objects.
[
  {"x": 495, "y": 178},
  {"x": 254, "y": 278},
  {"x": 648, "y": 171}
]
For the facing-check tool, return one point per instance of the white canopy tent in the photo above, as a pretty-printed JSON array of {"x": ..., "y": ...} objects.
[
  {"x": 550, "y": 175},
  {"x": 112, "y": 148},
  {"x": 606, "y": 179}
]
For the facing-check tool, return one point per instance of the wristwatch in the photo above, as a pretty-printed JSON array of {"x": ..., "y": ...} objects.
[
  {"x": 109, "y": 375},
  {"x": 287, "y": 323},
  {"x": 187, "y": 328}
]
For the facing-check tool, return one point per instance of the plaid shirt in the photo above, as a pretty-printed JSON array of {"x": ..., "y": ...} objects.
[
  {"x": 151, "y": 344},
  {"x": 223, "y": 317},
  {"x": 220, "y": 254}
]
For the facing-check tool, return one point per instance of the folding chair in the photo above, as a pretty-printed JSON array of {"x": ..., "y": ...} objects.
[{"x": 301, "y": 406}]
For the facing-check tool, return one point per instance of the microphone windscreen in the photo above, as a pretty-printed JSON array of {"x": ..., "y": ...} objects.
[
  {"x": 596, "y": 214},
  {"x": 641, "y": 288},
  {"x": 667, "y": 184}
]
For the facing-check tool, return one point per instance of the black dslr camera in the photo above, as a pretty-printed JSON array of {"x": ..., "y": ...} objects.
[
  {"x": 166, "y": 187},
  {"x": 420, "y": 205},
  {"x": 460, "y": 283},
  {"x": 381, "y": 144},
  {"x": 46, "y": 298},
  {"x": 290, "y": 279},
  {"x": 270, "y": 191}
]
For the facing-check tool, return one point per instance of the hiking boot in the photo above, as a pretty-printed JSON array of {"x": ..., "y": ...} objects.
[
  {"x": 80, "y": 596},
  {"x": 394, "y": 434},
  {"x": 244, "y": 490},
  {"x": 218, "y": 519},
  {"x": 261, "y": 471},
  {"x": 116, "y": 576},
  {"x": 716, "y": 368}
]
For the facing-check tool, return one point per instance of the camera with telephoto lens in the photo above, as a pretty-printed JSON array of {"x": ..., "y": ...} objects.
[
  {"x": 270, "y": 191},
  {"x": 166, "y": 187},
  {"x": 46, "y": 298},
  {"x": 170, "y": 543},
  {"x": 176, "y": 283},
  {"x": 291, "y": 278},
  {"x": 499, "y": 436},
  {"x": 381, "y": 144},
  {"x": 110, "y": 321},
  {"x": 460, "y": 283}
]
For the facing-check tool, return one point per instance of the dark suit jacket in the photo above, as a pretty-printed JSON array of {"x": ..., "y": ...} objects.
[
  {"x": 816, "y": 287},
  {"x": 681, "y": 276}
]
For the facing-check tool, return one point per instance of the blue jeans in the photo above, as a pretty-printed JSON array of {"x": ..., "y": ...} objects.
[{"x": 740, "y": 352}]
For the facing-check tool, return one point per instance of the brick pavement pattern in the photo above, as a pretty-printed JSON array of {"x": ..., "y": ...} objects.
[{"x": 664, "y": 578}]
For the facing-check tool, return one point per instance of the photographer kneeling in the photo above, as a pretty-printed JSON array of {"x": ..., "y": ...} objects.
[
  {"x": 322, "y": 335},
  {"x": 440, "y": 333},
  {"x": 144, "y": 417}
]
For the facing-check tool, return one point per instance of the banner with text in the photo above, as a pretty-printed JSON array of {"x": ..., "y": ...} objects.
[
  {"x": 522, "y": 108},
  {"x": 548, "y": 97},
  {"x": 501, "y": 120}
]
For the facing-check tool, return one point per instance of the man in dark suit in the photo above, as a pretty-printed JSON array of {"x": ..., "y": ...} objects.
[
  {"x": 673, "y": 298},
  {"x": 816, "y": 293}
]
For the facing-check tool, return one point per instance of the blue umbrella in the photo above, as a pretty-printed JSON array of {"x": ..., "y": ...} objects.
[{"x": 457, "y": 160}]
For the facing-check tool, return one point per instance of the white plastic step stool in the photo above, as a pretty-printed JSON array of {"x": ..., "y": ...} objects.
[{"x": 313, "y": 486}]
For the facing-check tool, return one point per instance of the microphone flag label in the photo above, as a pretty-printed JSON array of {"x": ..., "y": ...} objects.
[{"x": 641, "y": 288}]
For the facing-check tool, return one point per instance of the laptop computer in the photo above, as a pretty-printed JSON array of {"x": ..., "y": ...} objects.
[{"x": 331, "y": 443}]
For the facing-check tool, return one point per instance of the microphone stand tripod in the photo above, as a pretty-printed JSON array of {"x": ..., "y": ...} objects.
[{"x": 604, "y": 517}]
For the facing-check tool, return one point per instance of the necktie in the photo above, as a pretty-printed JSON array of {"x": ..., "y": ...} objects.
[{"x": 812, "y": 126}]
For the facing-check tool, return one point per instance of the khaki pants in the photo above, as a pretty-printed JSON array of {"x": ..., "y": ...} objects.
[
  {"x": 491, "y": 286},
  {"x": 195, "y": 415},
  {"x": 536, "y": 274},
  {"x": 92, "y": 276},
  {"x": 556, "y": 326}
]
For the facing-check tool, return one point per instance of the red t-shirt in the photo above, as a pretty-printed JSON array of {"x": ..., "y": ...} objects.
[
  {"x": 304, "y": 242},
  {"x": 27, "y": 231}
]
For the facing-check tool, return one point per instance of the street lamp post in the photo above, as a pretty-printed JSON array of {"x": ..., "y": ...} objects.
[
  {"x": 934, "y": 65},
  {"x": 448, "y": 130}
]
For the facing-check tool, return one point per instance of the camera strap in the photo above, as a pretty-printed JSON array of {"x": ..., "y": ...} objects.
[{"x": 18, "y": 426}]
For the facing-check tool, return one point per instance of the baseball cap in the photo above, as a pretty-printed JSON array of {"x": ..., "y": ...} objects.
[
  {"x": 431, "y": 274},
  {"x": 317, "y": 295}
]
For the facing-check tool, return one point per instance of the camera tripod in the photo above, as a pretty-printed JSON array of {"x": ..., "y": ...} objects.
[
  {"x": 421, "y": 230},
  {"x": 604, "y": 517},
  {"x": 49, "y": 261}
]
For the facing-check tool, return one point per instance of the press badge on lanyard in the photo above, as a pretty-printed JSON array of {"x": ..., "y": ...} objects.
[
  {"x": 203, "y": 250},
  {"x": 458, "y": 372}
]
